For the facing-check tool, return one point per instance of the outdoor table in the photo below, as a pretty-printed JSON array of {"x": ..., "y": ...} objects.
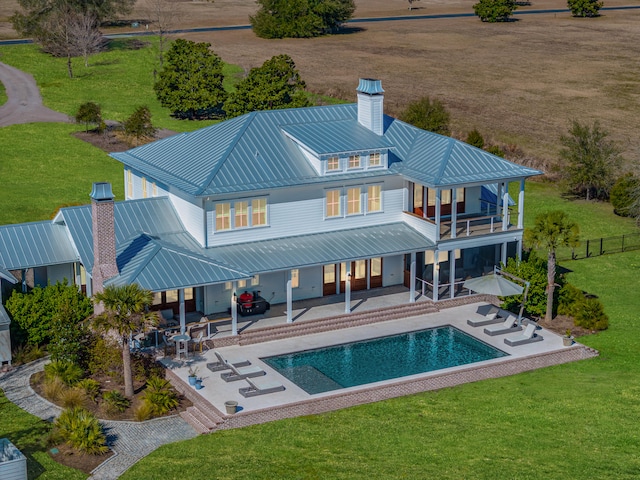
[{"x": 182, "y": 344}]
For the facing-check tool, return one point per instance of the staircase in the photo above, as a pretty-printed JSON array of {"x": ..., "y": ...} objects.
[{"x": 337, "y": 322}]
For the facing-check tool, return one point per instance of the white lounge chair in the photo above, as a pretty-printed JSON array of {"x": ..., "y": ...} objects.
[
  {"x": 510, "y": 325},
  {"x": 241, "y": 373},
  {"x": 223, "y": 363},
  {"x": 528, "y": 336},
  {"x": 489, "y": 318},
  {"x": 260, "y": 386}
]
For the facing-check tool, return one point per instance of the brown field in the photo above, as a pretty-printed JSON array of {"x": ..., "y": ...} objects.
[{"x": 518, "y": 83}]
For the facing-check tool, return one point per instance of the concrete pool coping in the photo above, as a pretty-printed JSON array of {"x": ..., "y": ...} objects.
[{"x": 294, "y": 401}]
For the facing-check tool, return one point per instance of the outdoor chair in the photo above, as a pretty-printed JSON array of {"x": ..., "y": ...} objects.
[
  {"x": 241, "y": 373},
  {"x": 223, "y": 363},
  {"x": 260, "y": 386},
  {"x": 528, "y": 336},
  {"x": 491, "y": 316},
  {"x": 510, "y": 325}
]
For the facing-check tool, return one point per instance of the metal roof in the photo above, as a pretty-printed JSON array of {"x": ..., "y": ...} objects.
[
  {"x": 6, "y": 274},
  {"x": 253, "y": 152},
  {"x": 158, "y": 265},
  {"x": 35, "y": 244},
  {"x": 344, "y": 136},
  {"x": 321, "y": 248},
  {"x": 370, "y": 86},
  {"x": 153, "y": 216},
  {"x": 4, "y": 317}
]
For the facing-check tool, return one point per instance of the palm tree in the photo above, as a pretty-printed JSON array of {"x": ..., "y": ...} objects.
[
  {"x": 125, "y": 314},
  {"x": 552, "y": 230}
]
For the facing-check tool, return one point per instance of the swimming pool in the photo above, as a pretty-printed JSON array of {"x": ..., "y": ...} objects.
[{"x": 383, "y": 358}]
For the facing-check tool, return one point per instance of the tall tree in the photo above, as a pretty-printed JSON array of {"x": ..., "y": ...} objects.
[
  {"x": 429, "y": 115},
  {"x": 551, "y": 231},
  {"x": 276, "y": 84},
  {"x": 138, "y": 126},
  {"x": 125, "y": 314},
  {"x": 164, "y": 15},
  {"x": 300, "y": 18},
  {"x": 591, "y": 161},
  {"x": 190, "y": 84}
]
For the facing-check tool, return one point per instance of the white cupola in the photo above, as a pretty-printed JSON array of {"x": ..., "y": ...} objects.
[{"x": 370, "y": 105}]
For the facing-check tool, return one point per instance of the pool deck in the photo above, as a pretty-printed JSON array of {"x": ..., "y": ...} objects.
[{"x": 294, "y": 401}]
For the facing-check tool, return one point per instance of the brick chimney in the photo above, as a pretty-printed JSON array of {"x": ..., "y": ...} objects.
[
  {"x": 370, "y": 105},
  {"x": 104, "y": 238}
]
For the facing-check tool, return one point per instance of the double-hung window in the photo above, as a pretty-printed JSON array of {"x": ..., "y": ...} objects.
[
  {"x": 354, "y": 161},
  {"x": 333, "y": 164},
  {"x": 144, "y": 187},
  {"x": 354, "y": 206},
  {"x": 332, "y": 203},
  {"x": 375, "y": 160},
  {"x": 374, "y": 198},
  {"x": 258, "y": 212},
  {"x": 241, "y": 217},
  {"x": 223, "y": 216},
  {"x": 129, "y": 184},
  {"x": 240, "y": 214}
]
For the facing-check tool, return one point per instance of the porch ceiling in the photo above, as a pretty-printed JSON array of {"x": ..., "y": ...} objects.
[{"x": 321, "y": 248}]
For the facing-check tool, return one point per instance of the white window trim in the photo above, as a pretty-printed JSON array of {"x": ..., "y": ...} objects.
[
  {"x": 344, "y": 200},
  {"x": 232, "y": 214},
  {"x": 366, "y": 198},
  {"x": 340, "y": 203},
  {"x": 346, "y": 196}
]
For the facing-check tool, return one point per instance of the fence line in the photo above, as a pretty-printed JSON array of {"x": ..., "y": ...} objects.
[{"x": 600, "y": 246}]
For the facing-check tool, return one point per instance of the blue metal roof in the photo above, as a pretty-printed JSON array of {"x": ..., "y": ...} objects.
[
  {"x": 252, "y": 152},
  {"x": 153, "y": 216},
  {"x": 158, "y": 265},
  {"x": 6, "y": 274},
  {"x": 36, "y": 244},
  {"x": 321, "y": 248},
  {"x": 370, "y": 86},
  {"x": 344, "y": 136}
]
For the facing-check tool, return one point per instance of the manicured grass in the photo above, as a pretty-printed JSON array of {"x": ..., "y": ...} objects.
[
  {"x": 44, "y": 167},
  {"x": 3, "y": 94},
  {"x": 28, "y": 432},
  {"x": 118, "y": 82}
]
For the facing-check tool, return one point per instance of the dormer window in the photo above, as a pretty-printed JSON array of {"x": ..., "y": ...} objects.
[
  {"x": 333, "y": 164},
  {"x": 354, "y": 161},
  {"x": 375, "y": 160}
]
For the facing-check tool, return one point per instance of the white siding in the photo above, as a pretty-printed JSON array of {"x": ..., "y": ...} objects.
[
  {"x": 472, "y": 200},
  {"x": 58, "y": 273},
  {"x": 370, "y": 110},
  {"x": 300, "y": 211},
  {"x": 423, "y": 226},
  {"x": 192, "y": 216}
]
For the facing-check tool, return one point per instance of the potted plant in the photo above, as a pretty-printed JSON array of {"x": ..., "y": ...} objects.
[
  {"x": 567, "y": 339},
  {"x": 193, "y": 375}
]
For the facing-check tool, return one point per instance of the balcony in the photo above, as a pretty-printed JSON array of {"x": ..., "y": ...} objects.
[{"x": 466, "y": 225}]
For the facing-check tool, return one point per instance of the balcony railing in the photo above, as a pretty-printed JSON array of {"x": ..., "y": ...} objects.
[{"x": 469, "y": 225}]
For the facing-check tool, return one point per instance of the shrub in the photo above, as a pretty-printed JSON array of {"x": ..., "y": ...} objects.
[
  {"x": 590, "y": 314},
  {"x": 495, "y": 150},
  {"x": 144, "y": 411},
  {"x": 475, "y": 138},
  {"x": 584, "y": 8},
  {"x": 105, "y": 358},
  {"x": 90, "y": 387},
  {"x": 429, "y": 115},
  {"x": 68, "y": 372},
  {"x": 160, "y": 396},
  {"x": 621, "y": 196},
  {"x": 89, "y": 112},
  {"x": 73, "y": 397},
  {"x": 53, "y": 388},
  {"x": 569, "y": 300},
  {"x": 81, "y": 431},
  {"x": 115, "y": 401},
  {"x": 138, "y": 125},
  {"x": 534, "y": 270},
  {"x": 495, "y": 10},
  {"x": 26, "y": 353}
]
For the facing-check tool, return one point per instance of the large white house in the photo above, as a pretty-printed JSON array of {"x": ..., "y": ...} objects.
[{"x": 296, "y": 203}]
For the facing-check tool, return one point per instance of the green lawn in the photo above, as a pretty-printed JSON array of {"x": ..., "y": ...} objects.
[
  {"x": 3, "y": 94},
  {"x": 27, "y": 433}
]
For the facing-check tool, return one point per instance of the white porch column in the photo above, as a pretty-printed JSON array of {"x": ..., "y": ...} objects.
[
  {"x": 505, "y": 208},
  {"x": 436, "y": 274},
  {"x": 89, "y": 281},
  {"x": 234, "y": 309},
  {"x": 289, "y": 301},
  {"x": 183, "y": 317},
  {"x": 498, "y": 197},
  {"x": 519, "y": 249},
  {"x": 521, "y": 205},
  {"x": 452, "y": 272},
  {"x": 412, "y": 278},
  {"x": 454, "y": 212},
  {"x": 438, "y": 203},
  {"x": 503, "y": 253},
  {"x": 347, "y": 288}
]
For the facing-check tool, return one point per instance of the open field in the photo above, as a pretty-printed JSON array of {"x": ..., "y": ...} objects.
[{"x": 518, "y": 83}]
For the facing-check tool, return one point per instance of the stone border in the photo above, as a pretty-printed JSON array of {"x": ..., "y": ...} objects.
[{"x": 407, "y": 387}]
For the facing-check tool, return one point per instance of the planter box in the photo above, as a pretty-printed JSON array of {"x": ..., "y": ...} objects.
[{"x": 13, "y": 464}]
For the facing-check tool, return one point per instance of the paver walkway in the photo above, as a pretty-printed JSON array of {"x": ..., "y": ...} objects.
[
  {"x": 24, "y": 103},
  {"x": 129, "y": 440}
]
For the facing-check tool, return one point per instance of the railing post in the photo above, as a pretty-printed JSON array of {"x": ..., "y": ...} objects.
[
  {"x": 491, "y": 223},
  {"x": 468, "y": 227}
]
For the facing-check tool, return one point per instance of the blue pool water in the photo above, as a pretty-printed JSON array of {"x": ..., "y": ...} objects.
[{"x": 384, "y": 358}]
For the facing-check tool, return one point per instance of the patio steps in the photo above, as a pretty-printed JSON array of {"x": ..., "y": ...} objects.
[{"x": 337, "y": 322}]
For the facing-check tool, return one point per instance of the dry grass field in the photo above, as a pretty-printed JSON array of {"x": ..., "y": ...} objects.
[{"x": 519, "y": 83}]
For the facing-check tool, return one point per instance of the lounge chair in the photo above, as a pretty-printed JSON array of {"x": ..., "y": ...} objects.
[
  {"x": 260, "y": 386},
  {"x": 510, "y": 325},
  {"x": 492, "y": 316},
  {"x": 241, "y": 373},
  {"x": 528, "y": 336},
  {"x": 223, "y": 363},
  {"x": 486, "y": 309}
]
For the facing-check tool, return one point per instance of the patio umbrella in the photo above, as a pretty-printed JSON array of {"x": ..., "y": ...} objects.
[{"x": 493, "y": 284}]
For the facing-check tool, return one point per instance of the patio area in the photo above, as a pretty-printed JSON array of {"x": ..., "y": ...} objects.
[{"x": 294, "y": 401}]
